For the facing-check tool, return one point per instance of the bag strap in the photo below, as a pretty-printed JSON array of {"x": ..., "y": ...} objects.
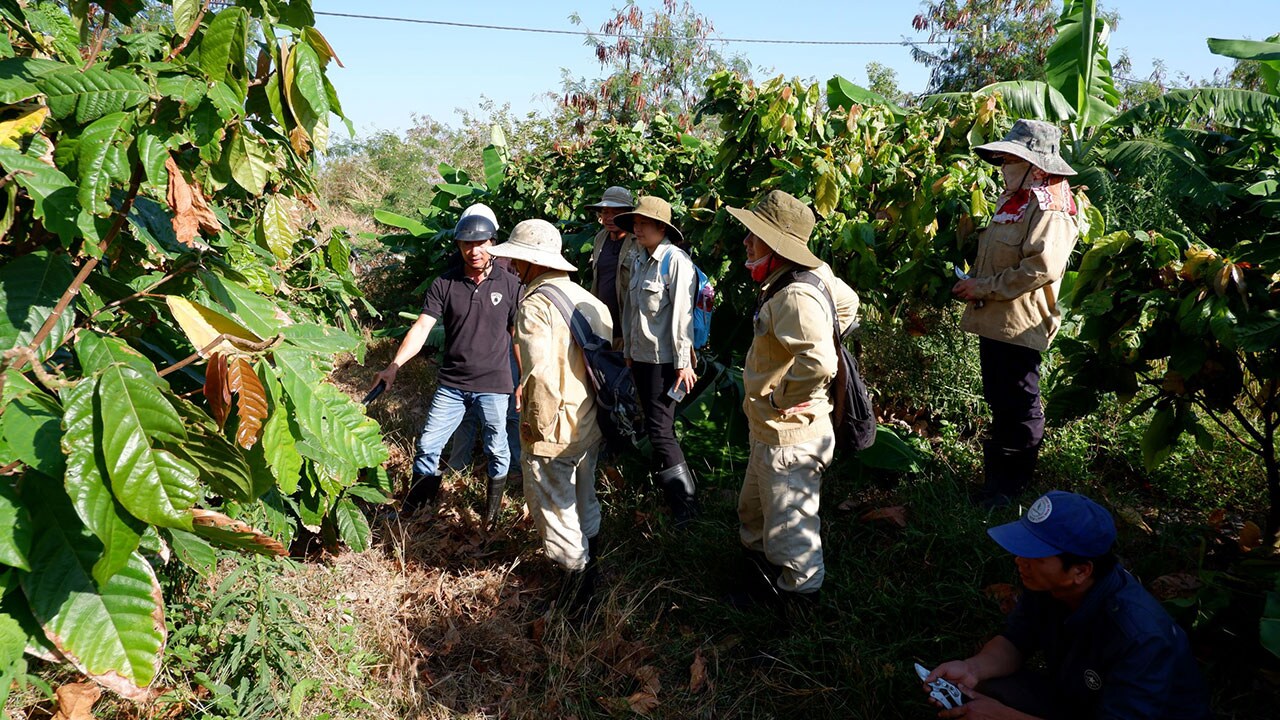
[
  {"x": 579, "y": 327},
  {"x": 810, "y": 278}
]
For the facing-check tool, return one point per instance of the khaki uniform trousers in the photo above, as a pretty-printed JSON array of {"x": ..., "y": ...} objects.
[
  {"x": 561, "y": 493},
  {"x": 778, "y": 509}
]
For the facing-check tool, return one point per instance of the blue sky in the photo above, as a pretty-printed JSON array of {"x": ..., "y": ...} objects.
[{"x": 396, "y": 70}]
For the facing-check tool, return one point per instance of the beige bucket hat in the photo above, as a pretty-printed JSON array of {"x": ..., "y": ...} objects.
[
  {"x": 784, "y": 223},
  {"x": 615, "y": 197},
  {"x": 1035, "y": 141},
  {"x": 534, "y": 241},
  {"x": 654, "y": 208}
]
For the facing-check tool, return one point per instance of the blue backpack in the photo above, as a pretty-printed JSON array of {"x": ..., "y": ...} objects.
[{"x": 704, "y": 301}]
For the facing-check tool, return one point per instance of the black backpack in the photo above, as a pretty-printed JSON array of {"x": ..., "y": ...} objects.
[
  {"x": 618, "y": 415},
  {"x": 851, "y": 412}
]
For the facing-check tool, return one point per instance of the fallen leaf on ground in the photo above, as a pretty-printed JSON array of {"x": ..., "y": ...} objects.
[
  {"x": 650, "y": 682},
  {"x": 847, "y": 505},
  {"x": 1250, "y": 536},
  {"x": 1004, "y": 594},
  {"x": 1133, "y": 518},
  {"x": 1175, "y": 585},
  {"x": 896, "y": 515},
  {"x": 1216, "y": 518},
  {"x": 697, "y": 672},
  {"x": 642, "y": 703},
  {"x": 75, "y": 701}
]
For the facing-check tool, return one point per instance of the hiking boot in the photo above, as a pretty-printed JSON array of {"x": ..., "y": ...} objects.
[
  {"x": 755, "y": 583},
  {"x": 494, "y": 487},
  {"x": 423, "y": 490},
  {"x": 677, "y": 487}
]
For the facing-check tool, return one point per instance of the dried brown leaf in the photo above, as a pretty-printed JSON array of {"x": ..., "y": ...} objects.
[
  {"x": 75, "y": 701},
  {"x": 650, "y": 681},
  {"x": 225, "y": 530},
  {"x": 1175, "y": 585},
  {"x": 1133, "y": 518},
  {"x": 642, "y": 703},
  {"x": 251, "y": 400},
  {"x": 300, "y": 141},
  {"x": 896, "y": 515},
  {"x": 1250, "y": 536},
  {"x": 1004, "y": 594},
  {"x": 191, "y": 212},
  {"x": 848, "y": 505},
  {"x": 1216, "y": 518},
  {"x": 697, "y": 672},
  {"x": 216, "y": 388}
]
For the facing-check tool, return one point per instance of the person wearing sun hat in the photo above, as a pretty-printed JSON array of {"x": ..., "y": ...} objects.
[
  {"x": 787, "y": 375},
  {"x": 1012, "y": 298},
  {"x": 1110, "y": 649},
  {"x": 560, "y": 438},
  {"x": 657, "y": 340},
  {"x": 611, "y": 254}
]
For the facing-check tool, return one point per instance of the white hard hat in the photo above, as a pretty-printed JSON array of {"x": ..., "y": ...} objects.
[{"x": 483, "y": 211}]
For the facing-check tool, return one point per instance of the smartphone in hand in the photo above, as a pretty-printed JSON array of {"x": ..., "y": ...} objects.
[{"x": 676, "y": 392}]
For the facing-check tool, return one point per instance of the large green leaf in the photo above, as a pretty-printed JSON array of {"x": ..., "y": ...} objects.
[
  {"x": 86, "y": 484},
  {"x": 98, "y": 352},
  {"x": 1224, "y": 107},
  {"x": 15, "y": 528},
  {"x": 29, "y": 288},
  {"x": 889, "y": 452},
  {"x": 387, "y": 217},
  {"x": 263, "y": 316},
  {"x": 18, "y": 77},
  {"x": 1137, "y": 158},
  {"x": 12, "y": 642},
  {"x": 91, "y": 94},
  {"x": 150, "y": 482},
  {"x": 98, "y": 143},
  {"x": 248, "y": 161},
  {"x": 219, "y": 461},
  {"x": 194, "y": 551},
  {"x": 52, "y": 191},
  {"x": 320, "y": 339},
  {"x": 223, "y": 48},
  {"x": 277, "y": 226},
  {"x": 1077, "y": 65},
  {"x": 842, "y": 93},
  {"x": 32, "y": 432},
  {"x": 113, "y": 632},
  {"x": 1032, "y": 99},
  {"x": 353, "y": 527},
  {"x": 1159, "y": 438},
  {"x": 185, "y": 13},
  {"x": 278, "y": 436},
  {"x": 1266, "y": 53},
  {"x": 307, "y": 97}
]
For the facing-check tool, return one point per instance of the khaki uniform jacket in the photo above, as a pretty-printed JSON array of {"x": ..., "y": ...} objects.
[
  {"x": 657, "y": 310},
  {"x": 1019, "y": 271},
  {"x": 624, "y": 263},
  {"x": 793, "y": 358},
  {"x": 558, "y": 412}
]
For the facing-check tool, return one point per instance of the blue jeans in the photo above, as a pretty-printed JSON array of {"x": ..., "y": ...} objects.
[
  {"x": 464, "y": 439},
  {"x": 447, "y": 410}
]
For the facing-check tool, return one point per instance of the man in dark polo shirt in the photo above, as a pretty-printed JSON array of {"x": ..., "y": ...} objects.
[
  {"x": 476, "y": 301},
  {"x": 1110, "y": 650}
]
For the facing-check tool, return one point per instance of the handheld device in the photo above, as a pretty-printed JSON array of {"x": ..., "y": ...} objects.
[
  {"x": 946, "y": 694},
  {"x": 960, "y": 274},
  {"x": 676, "y": 392},
  {"x": 375, "y": 392}
]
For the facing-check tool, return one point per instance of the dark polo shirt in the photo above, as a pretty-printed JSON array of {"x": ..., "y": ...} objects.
[
  {"x": 477, "y": 321},
  {"x": 1119, "y": 655}
]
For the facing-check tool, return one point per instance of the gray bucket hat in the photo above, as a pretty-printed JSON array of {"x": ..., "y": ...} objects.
[
  {"x": 784, "y": 223},
  {"x": 1035, "y": 141},
  {"x": 537, "y": 242},
  {"x": 614, "y": 197}
]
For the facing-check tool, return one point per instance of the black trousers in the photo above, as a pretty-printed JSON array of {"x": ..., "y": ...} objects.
[
  {"x": 1011, "y": 386},
  {"x": 652, "y": 383}
]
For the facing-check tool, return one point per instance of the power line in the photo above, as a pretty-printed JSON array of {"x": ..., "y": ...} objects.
[{"x": 583, "y": 33}]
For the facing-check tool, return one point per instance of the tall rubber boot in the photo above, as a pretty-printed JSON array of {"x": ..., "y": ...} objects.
[
  {"x": 423, "y": 490},
  {"x": 495, "y": 487},
  {"x": 1020, "y": 470},
  {"x": 755, "y": 582},
  {"x": 677, "y": 487},
  {"x": 995, "y": 470}
]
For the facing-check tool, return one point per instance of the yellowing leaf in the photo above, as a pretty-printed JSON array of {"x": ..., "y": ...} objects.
[
  {"x": 277, "y": 226},
  {"x": 202, "y": 325},
  {"x": 27, "y": 123},
  {"x": 828, "y": 194}
]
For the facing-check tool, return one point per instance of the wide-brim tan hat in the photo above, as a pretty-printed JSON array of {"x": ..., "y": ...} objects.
[
  {"x": 615, "y": 197},
  {"x": 654, "y": 208},
  {"x": 784, "y": 223},
  {"x": 537, "y": 242},
  {"x": 1035, "y": 141}
]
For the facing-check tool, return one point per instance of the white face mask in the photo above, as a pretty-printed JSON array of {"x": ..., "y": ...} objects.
[{"x": 1015, "y": 172}]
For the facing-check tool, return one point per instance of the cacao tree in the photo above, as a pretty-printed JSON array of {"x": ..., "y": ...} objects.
[{"x": 170, "y": 316}]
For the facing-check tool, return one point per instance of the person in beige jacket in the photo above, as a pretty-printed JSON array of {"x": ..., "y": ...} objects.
[
  {"x": 1012, "y": 298},
  {"x": 559, "y": 436},
  {"x": 787, "y": 376}
]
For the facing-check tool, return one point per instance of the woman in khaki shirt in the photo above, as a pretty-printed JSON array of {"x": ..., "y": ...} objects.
[{"x": 657, "y": 340}]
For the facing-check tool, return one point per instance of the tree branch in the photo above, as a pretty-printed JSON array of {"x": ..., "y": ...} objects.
[
  {"x": 191, "y": 32},
  {"x": 145, "y": 292},
  {"x": 239, "y": 342},
  {"x": 1228, "y": 429}
]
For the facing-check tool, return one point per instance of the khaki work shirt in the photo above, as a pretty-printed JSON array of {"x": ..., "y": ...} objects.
[
  {"x": 1019, "y": 272},
  {"x": 558, "y": 412},
  {"x": 622, "y": 281},
  {"x": 793, "y": 358},
  {"x": 657, "y": 309}
]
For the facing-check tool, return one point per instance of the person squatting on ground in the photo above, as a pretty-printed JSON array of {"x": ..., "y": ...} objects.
[
  {"x": 611, "y": 255},
  {"x": 559, "y": 433},
  {"x": 463, "y": 445},
  {"x": 1013, "y": 297},
  {"x": 657, "y": 340},
  {"x": 476, "y": 302},
  {"x": 787, "y": 375},
  {"x": 1110, "y": 649}
]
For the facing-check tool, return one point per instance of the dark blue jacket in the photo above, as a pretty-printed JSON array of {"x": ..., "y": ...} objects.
[{"x": 1119, "y": 655}]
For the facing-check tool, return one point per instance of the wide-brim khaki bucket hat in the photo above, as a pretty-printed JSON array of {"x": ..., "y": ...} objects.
[
  {"x": 1035, "y": 141},
  {"x": 615, "y": 197},
  {"x": 537, "y": 242},
  {"x": 654, "y": 208},
  {"x": 784, "y": 223}
]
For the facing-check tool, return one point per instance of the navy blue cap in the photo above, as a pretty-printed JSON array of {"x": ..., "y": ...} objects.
[{"x": 1058, "y": 522}]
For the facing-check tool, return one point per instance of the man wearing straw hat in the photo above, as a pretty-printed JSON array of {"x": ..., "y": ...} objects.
[
  {"x": 610, "y": 255},
  {"x": 787, "y": 374},
  {"x": 1012, "y": 297},
  {"x": 559, "y": 435}
]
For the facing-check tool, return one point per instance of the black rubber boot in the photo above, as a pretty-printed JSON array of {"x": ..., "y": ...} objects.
[
  {"x": 495, "y": 487},
  {"x": 578, "y": 593},
  {"x": 755, "y": 582},
  {"x": 594, "y": 548},
  {"x": 677, "y": 487},
  {"x": 423, "y": 490},
  {"x": 1006, "y": 473}
]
